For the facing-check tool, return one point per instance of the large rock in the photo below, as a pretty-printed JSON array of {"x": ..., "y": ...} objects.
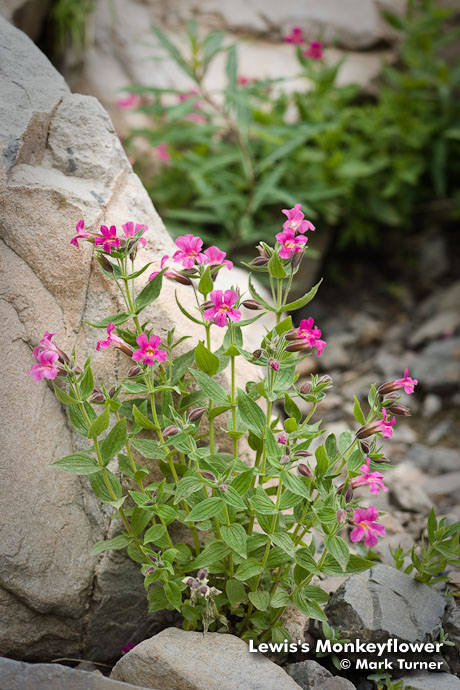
[
  {"x": 431, "y": 681},
  {"x": 17, "y": 675},
  {"x": 438, "y": 365},
  {"x": 61, "y": 161},
  {"x": 312, "y": 676},
  {"x": 179, "y": 660},
  {"x": 385, "y": 603}
]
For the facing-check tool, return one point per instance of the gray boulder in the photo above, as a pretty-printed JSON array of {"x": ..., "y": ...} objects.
[
  {"x": 431, "y": 681},
  {"x": 312, "y": 676}
]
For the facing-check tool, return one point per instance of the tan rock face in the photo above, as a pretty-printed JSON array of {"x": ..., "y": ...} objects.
[
  {"x": 179, "y": 660},
  {"x": 61, "y": 161}
]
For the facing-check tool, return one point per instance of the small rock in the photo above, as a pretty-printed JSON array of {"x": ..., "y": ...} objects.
[
  {"x": 434, "y": 460},
  {"x": 438, "y": 365},
  {"x": 438, "y": 432},
  {"x": 452, "y": 625},
  {"x": 383, "y": 603},
  {"x": 444, "y": 324},
  {"x": 448, "y": 483},
  {"x": 179, "y": 660},
  {"x": 312, "y": 676},
  {"x": 432, "y": 404},
  {"x": 410, "y": 497},
  {"x": 334, "y": 356},
  {"x": 403, "y": 433},
  {"x": 431, "y": 681},
  {"x": 295, "y": 622},
  {"x": 17, "y": 675}
]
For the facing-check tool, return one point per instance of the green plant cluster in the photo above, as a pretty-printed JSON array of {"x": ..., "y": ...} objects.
[{"x": 356, "y": 163}]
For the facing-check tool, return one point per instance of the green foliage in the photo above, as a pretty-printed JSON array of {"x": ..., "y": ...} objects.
[{"x": 237, "y": 156}]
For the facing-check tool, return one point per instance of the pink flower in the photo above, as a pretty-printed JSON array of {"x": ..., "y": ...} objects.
[
  {"x": 290, "y": 243},
  {"x": 149, "y": 352},
  {"x": 189, "y": 252},
  {"x": 109, "y": 238},
  {"x": 111, "y": 339},
  {"x": 186, "y": 96},
  {"x": 295, "y": 220},
  {"x": 46, "y": 343},
  {"x": 132, "y": 100},
  {"x": 366, "y": 526},
  {"x": 127, "y": 647},
  {"x": 296, "y": 36},
  {"x": 46, "y": 367},
  {"x": 222, "y": 310},
  {"x": 199, "y": 118},
  {"x": 274, "y": 364},
  {"x": 374, "y": 479},
  {"x": 130, "y": 229},
  {"x": 314, "y": 50},
  {"x": 406, "y": 383},
  {"x": 245, "y": 81},
  {"x": 384, "y": 426},
  {"x": 312, "y": 334},
  {"x": 81, "y": 233},
  {"x": 283, "y": 438},
  {"x": 216, "y": 257},
  {"x": 162, "y": 152}
]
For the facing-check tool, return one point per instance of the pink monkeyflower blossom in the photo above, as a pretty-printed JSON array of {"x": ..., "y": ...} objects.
[
  {"x": 82, "y": 234},
  {"x": 216, "y": 257},
  {"x": 314, "y": 50},
  {"x": 373, "y": 479},
  {"x": 296, "y": 36},
  {"x": 46, "y": 367},
  {"x": 222, "y": 310},
  {"x": 384, "y": 425},
  {"x": 127, "y": 647},
  {"x": 366, "y": 526},
  {"x": 295, "y": 220},
  {"x": 290, "y": 243},
  {"x": 130, "y": 229},
  {"x": 273, "y": 364},
  {"x": 312, "y": 334},
  {"x": 109, "y": 238},
  {"x": 162, "y": 265},
  {"x": 132, "y": 100},
  {"x": 46, "y": 343},
  {"x": 283, "y": 438},
  {"x": 189, "y": 252},
  {"x": 187, "y": 95},
  {"x": 111, "y": 339},
  {"x": 162, "y": 152},
  {"x": 149, "y": 352},
  {"x": 406, "y": 383},
  {"x": 245, "y": 81}
]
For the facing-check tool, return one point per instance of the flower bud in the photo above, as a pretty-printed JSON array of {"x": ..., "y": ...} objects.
[
  {"x": 151, "y": 569},
  {"x": 204, "y": 590},
  {"x": 97, "y": 395},
  {"x": 341, "y": 516},
  {"x": 112, "y": 392},
  {"x": 388, "y": 387},
  {"x": 178, "y": 277},
  {"x": 252, "y": 304},
  {"x": 153, "y": 557},
  {"x": 367, "y": 430},
  {"x": 285, "y": 459},
  {"x": 400, "y": 410},
  {"x": 208, "y": 475},
  {"x": 196, "y": 414},
  {"x": 132, "y": 243},
  {"x": 365, "y": 446},
  {"x": 283, "y": 438},
  {"x": 349, "y": 494},
  {"x": 61, "y": 372},
  {"x": 262, "y": 252},
  {"x": 305, "y": 387},
  {"x": 78, "y": 370},
  {"x": 292, "y": 334},
  {"x": 305, "y": 470},
  {"x": 124, "y": 348},
  {"x": 223, "y": 488},
  {"x": 170, "y": 431},
  {"x": 274, "y": 364},
  {"x": 256, "y": 354},
  {"x": 190, "y": 582},
  {"x": 298, "y": 346},
  {"x": 134, "y": 371},
  {"x": 207, "y": 305},
  {"x": 324, "y": 379},
  {"x": 65, "y": 359},
  {"x": 302, "y": 454},
  {"x": 202, "y": 574},
  {"x": 105, "y": 263},
  {"x": 133, "y": 254}
]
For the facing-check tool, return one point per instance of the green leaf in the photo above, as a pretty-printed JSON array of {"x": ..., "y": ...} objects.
[
  {"x": 167, "y": 513},
  {"x": 141, "y": 419},
  {"x": 231, "y": 67},
  {"x": 394, "y": 20},
  {"x": 77, "y": 463},
  {"x": 210, "y": 388},
  {"x": 432, "y": 526},
  {"x": 208, "y": 508},
  {"x": 345, "y": 440},
  {"x": 116, "y": 543},
  {"x": 173, "y": 51},
  {"x": 276, "y": 268},
  {"x": 100, "y": 488},
  {"x": 205, "y": 360},
  {"x": 210, "y": 555},
  {"x": 279, "y": 599},
  {"x": 308, "y": 608},
  {"x": 339, "y": 549},
  {"x": 251, "y": 414},
  {"x": 155, "y": 534},
  {"x": 258, "y": 297},
  {"x": 115, "y": 440},
  {"x": 186, "y": 487},
  {"x": 187, "y": 314},
  {"x": 284, "y": 541},
  {"x": 235, "y": 592},
  {"x": 181, "y": 366},
  {"x": 306, "y": 561},
  {"x": 87, "y": 384},
  {"x": 148, "y": 448},
  {"x": 63, "y": 397},
  {"x": 157, "y": 599},
  {"x": 100, "y": 424},
  {"x": 261, "y": 600},
  {"x": 117, "y": 319},
  {"x": 247, "y": 569},
  {"x": 262, "y": 502},
  {"x": 150, "y": 293},
  {"x": 235, "y": 536},
  {"x": 294, "y": 484},
  {"x": 303, "y": 301},
  {"x": 233, "y": 498},
  {"x": 173, "y": 594},
  {"x": 211, "y": 45},
  {"x": 357, "y": 411},
  {"x": 291, "y": 408},
  {"x": 356, "y": 564},
  {"x": 206, "y": 284}
]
